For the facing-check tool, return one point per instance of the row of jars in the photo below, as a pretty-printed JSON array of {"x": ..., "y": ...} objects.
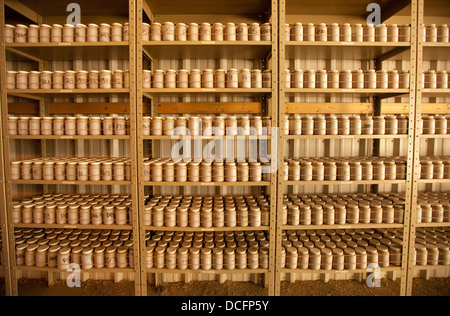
[
  {"x": 207, "y": 212},
  {"x": 434, "y": 168},
  {"x": 206, "y": 251},
  {"x": 344, "y": 169},
  {"x": 207, "y": 79},
  {"x": 89, "y": 249},
  {"x": 167, "y": 170},
  {"x": 207, "y": 126},
  {"x": 432, "y": 247},
  {"x": 340, "y": 250},
  {"x": 69, "y": 126},
  {"x": 72, "y": 169},
  {"x": 432, "y": 79},
  {"x": 347, "y": 79},
  {"x": 345, "y": 125},
  {"x": 47, "y": 80},
  {"x": 63, "y": 209},
  {"x": 435, "y": 124},
  {"x": 68, "y": 33},
  {"x": 341, "y": 210},
  {"x": 346, "y": 32},
  {"x": 435, "y": 33},
  {"x": 205, "y": 32}
]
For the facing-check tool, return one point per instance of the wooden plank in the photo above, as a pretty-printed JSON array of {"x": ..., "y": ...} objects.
[
  {"x": 210, "y": 108},
  {"x": 347, "y": 108},
  {"x": 23, "y": 9},
  {"x": 71, "y": 108},
  {"x": 329, "y": 108},
  {"x": 435, "y": 108}
]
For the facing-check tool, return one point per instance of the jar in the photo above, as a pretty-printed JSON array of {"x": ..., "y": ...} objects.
[
  {"x": 308, "y": 32},
  {"x": 358, "y": 33},
  {"x": 22, "y": 80},
  {"x": 346, "y": 32},
  {"x": 430, "y": 79},
  {"x": 48, "y": 171},
  {"x": 118, "y": 79},
  {"x": 20, "y": 33},
  {"x": 155, "y": 32},
  {"x": 116, "y": 32},
  {"x": 266, "y": 32},
  {"x": 370, "y": 79},
  {"x": 195, "y": 79},
  {"x": 254, "y": 32},
  {"x": 205, "y": 32},
  {"x": 64, "y": 258},
  {"x": 391, "y": 125},
  {"x": 94, "y": 79},
  {"x": 245, "y": 79},
  {"x": 310, "y": 79},
  {"x": 110, "y": 257},
  {"x": 442, "y": 79},
  {"x": 193, "y": 32},
  {"x": 170, "y": 79},
  {"x": 168, "y": 32},
  {"x": 431, "y": 33},
  {"x": 92, "y": 32},
  {"x": 230, "y": 32},
  {"x": 443, "y": 33},
  {"x": 207, "y": 79},
  {"x": 405, "y": 33},
  {"x": 255, "y": 172},
  {"x": 379, "y": 125},
  {"x": 105, "y": 79},
  {"x": 181, "y": 32},
  {"x": 34, "y": 80},
  {"x": 194, "y": 258}
]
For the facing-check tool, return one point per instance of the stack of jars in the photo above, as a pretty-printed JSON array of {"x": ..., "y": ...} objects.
[
  {"x": 341, "y": 209},
  {"x": 58, "y": 248},
  {"x": 435, "y": 34},
  {"x": 66, "y": 34},
  {"x": 435, "y": 125},
  {"x": 72, "y": 169},
  {"x": 207, "y": 212},
  {"x": 81, "y": 79},
  {"x": 344, "y": 169},
  {"x": 206, "y": 171},
  {"x": 73, "y": 209},
  {"x": 208, "y": 250},
  {"x": 341, "y": 249},
  {"x": 207, "y": 126},
  {"x": 347, "y": 33},
  {"x": 69, "y": 126},
  {"x": 432, "y": 79},
  {"x": 346, "y": 125},
  {"x": 435, "y": 168},
  {"x": 206, "y": 32},
  {"x": 433, "y": 208},
  {"x": 432, "y": 247},
  {"x": 207, "y": 79},
  {"x": 347, "y": 79}
]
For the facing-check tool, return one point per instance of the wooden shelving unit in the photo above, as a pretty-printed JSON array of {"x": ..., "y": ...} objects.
[
  {"x": 44, "y": 57},
  {"x": 157, "y": 55},
  {"x": 372, "y": 56}
]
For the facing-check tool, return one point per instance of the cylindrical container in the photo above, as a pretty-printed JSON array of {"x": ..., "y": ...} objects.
[
  {"x": 205, "y": 31},
  {"x": 105, "y": 79},
  {"x": 21, "y": 33},
  {"x": 9, "y": 33},
  {"x": 431, "y": 33},
  {"x": 68, "y": 33},
  {"x": 181, "y": 32},
  {"x": 346, "y": 32},
  {"x": 393, "y": 33},
  {"x": 168, "y": 32},
  {"x": 155, "y": 31},
  {"x": 193, "y": 32},
  {"x": 309, "y": 32}
]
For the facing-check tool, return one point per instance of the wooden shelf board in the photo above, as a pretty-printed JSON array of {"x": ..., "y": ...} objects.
[
  {"x": 208, "y": 91},
  {"x": 102, "y": 270},
  {"x": 41, "y": 93},
  {"x": 75, "y": 137},
  {"x": 209, "y": 107},
  {"x": 208, "y": 184},
  {"x": 207, "y": 137},
  {"x": 340, "y": 137},
  {"x": 432, "y": 225},
  {"x": 364, "y": 182},
  {"x": 434, "y": 136},
  {"x": 208, "y": 50},
  {"x": 437, "y": 93},
  {"x": 434, "y": 181},
  {"x": 202, "y": 229},
  {"x": 361, "y": 92},
  {"x": 78, "y": 226},
  {"x": 189, "y": 271},
  {"x": 388, "y": 269},
  {"x": 422, "y": 268},
  {"x": 54, "y": 182},
  {"x": 345, "y": 226},
  {"x": 70, "y": 51}
]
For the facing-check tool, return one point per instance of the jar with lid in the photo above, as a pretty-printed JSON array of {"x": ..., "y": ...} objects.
[
  {"x": 168, "y": 32},
  {"x": 193, "y": 32}
]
